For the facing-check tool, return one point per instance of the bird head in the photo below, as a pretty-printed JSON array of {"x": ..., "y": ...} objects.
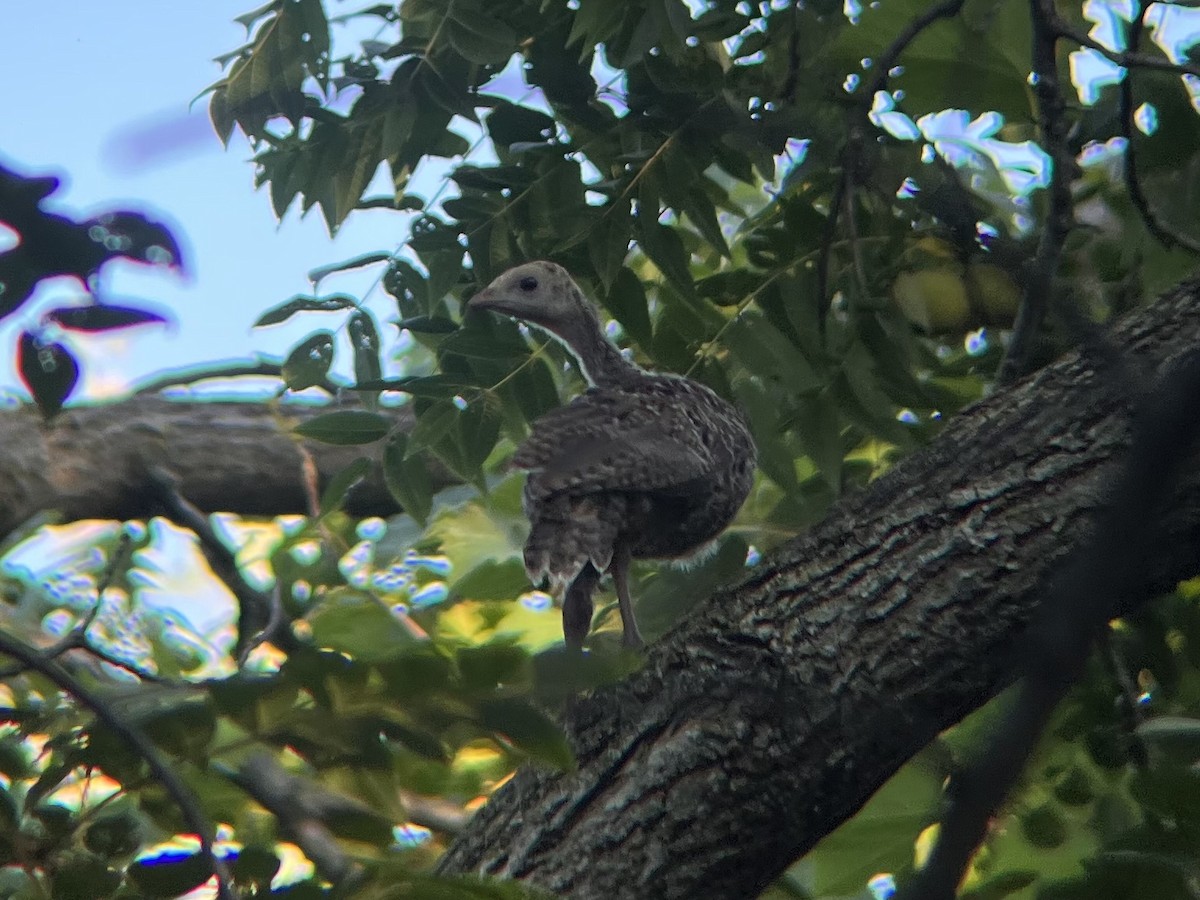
[{"x": 541, "y": 293}]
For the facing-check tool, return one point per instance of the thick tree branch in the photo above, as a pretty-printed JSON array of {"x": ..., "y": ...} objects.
[
  {"x": 92, "y": 462},
  {"x": 777, "y": 709}
]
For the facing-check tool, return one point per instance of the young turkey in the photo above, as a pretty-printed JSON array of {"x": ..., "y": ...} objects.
[{"x": 639, "y": 466}]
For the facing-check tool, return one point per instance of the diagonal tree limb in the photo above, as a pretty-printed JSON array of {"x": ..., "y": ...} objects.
[{"x": 779, "y": 706}]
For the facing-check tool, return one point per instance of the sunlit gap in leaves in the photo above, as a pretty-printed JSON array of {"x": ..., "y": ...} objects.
[
  {"x": 414, "y": 581},
  {"x": 882, "y": 886},
  {"x": 139, "y": 620},
  {"x": 1007, "y": 173},
  {"x": 183, "y": 848},
  {"x": 1175, "y": 29}
]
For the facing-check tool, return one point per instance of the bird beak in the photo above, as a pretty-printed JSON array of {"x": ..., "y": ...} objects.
[{"x": 485, "y": 299}]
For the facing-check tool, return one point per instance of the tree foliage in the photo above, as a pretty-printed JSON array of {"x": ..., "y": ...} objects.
[{"x": 843, "y": 219}]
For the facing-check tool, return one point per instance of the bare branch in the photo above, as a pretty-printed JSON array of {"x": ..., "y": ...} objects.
[
  {"x": 1162, "y": 232},
  {"x": 1052, "y": 121},
  {"x": 303, "y": 810},
  {"x": 260, "y": 616},
  {"x": 843, "y": 193},
  {"x": 946, "y": 9},
  {"x": 1130, "y": 58},
  {"x": 238, "y": 457}
]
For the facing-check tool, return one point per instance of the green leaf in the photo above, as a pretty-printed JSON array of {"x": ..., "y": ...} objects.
[
  {"x": 170, "y": 873},
  {"x": 308, "y": 364},
  {"x": 626, "y": 300},
  {"x": 491, "y": 667},
  {"x": 477, "y": 344},
  {"x": 101, "y": 317},
  {"x": 339, "y": 486},
  {"x": 300, "y": 303},
  {"x": 317, "y": 275},
  {"x": 608, "y": 245},
  {"x": 428, "y": 325},
  {"x": 433, "y": 423},
  {"x": 662, "y": 245},
  {"x": 345, "y": 427},
  {"x": 820, "y": 432},
  {"x": 364, "y": 338},
  {"x": 1176, "y": 735},
  {"x": 493, "y": 580},
  {"x": 48, "y": 370},
  {"x": 703, "y": 215},
  {"x": 255, "y": 865},
  {"x": 478, "y": 36},
  {"x": 407, "y": 478},
  {"x": 774, "y": 457},
  {"x": 530, "y": 730},
  {"x": 359, "y": 625}
]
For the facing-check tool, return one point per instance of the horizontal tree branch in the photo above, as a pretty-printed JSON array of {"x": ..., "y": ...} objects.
[
  {"x": 774, "y": 712},
  {"x": 240, "y": 457}
]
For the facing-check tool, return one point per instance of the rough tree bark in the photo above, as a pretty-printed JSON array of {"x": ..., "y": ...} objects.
[
  {"x": 92, "y": 462},
  {"x": 773, "y": 713}
]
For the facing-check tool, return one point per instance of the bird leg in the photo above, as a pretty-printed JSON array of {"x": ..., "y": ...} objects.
[
  {"x": 577, "y": 607},
  {"x": 619, "y": 569}
]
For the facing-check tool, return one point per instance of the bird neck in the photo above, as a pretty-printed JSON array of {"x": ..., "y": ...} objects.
[{"x": 600, "y": 359}]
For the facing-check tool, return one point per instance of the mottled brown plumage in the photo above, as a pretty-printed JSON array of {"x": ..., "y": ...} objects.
[{"x": 639, "y": 466}]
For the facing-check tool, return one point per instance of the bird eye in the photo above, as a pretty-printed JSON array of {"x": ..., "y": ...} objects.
[{"x": 529, "y": 283}]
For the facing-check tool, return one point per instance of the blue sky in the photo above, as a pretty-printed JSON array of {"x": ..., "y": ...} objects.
[{"x": 102, "y": 94}]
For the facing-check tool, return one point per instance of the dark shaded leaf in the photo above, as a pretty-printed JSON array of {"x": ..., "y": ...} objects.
[
  {"x": 364, "y": 338},
  {"x": 339, "y": 486},
  {"x": 317, "y": 275},
  {"x": 48, "y": 370},
  {"x": 308, "y": 363},
  {"x": 407, "y": 478},
  {"x": 170, "y": 873},
  {"x": 530, "y": 730},
  {"x": 345, "y": 427},
  {"x": 626, "y": 300},
  {"x": 101, "y": 317},
  {"x": 299, "y": 303},
  {"x": 665, "y": 249},
  {"x": 359, "y": 625}
]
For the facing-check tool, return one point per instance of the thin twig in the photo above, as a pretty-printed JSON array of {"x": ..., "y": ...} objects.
[
  {"x": 77, "y": 639},
  {"x": 1127, "y": 58},
  {"x": 193, "y": 813},
  {"x": 185, "y": 377},
  {"x": 1162, "y": 232},
  {"x": 857, "y": 117},
  {"x": 947, "y": 9},
  {"x": 1052, "y": 121},
  {"x": 260, "y": 619}
]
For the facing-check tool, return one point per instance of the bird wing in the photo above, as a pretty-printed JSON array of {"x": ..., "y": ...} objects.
[{"x": 614, "y": 440}]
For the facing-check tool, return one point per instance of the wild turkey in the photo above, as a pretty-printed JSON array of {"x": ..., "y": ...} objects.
[{"x": 639, "y": 466}]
